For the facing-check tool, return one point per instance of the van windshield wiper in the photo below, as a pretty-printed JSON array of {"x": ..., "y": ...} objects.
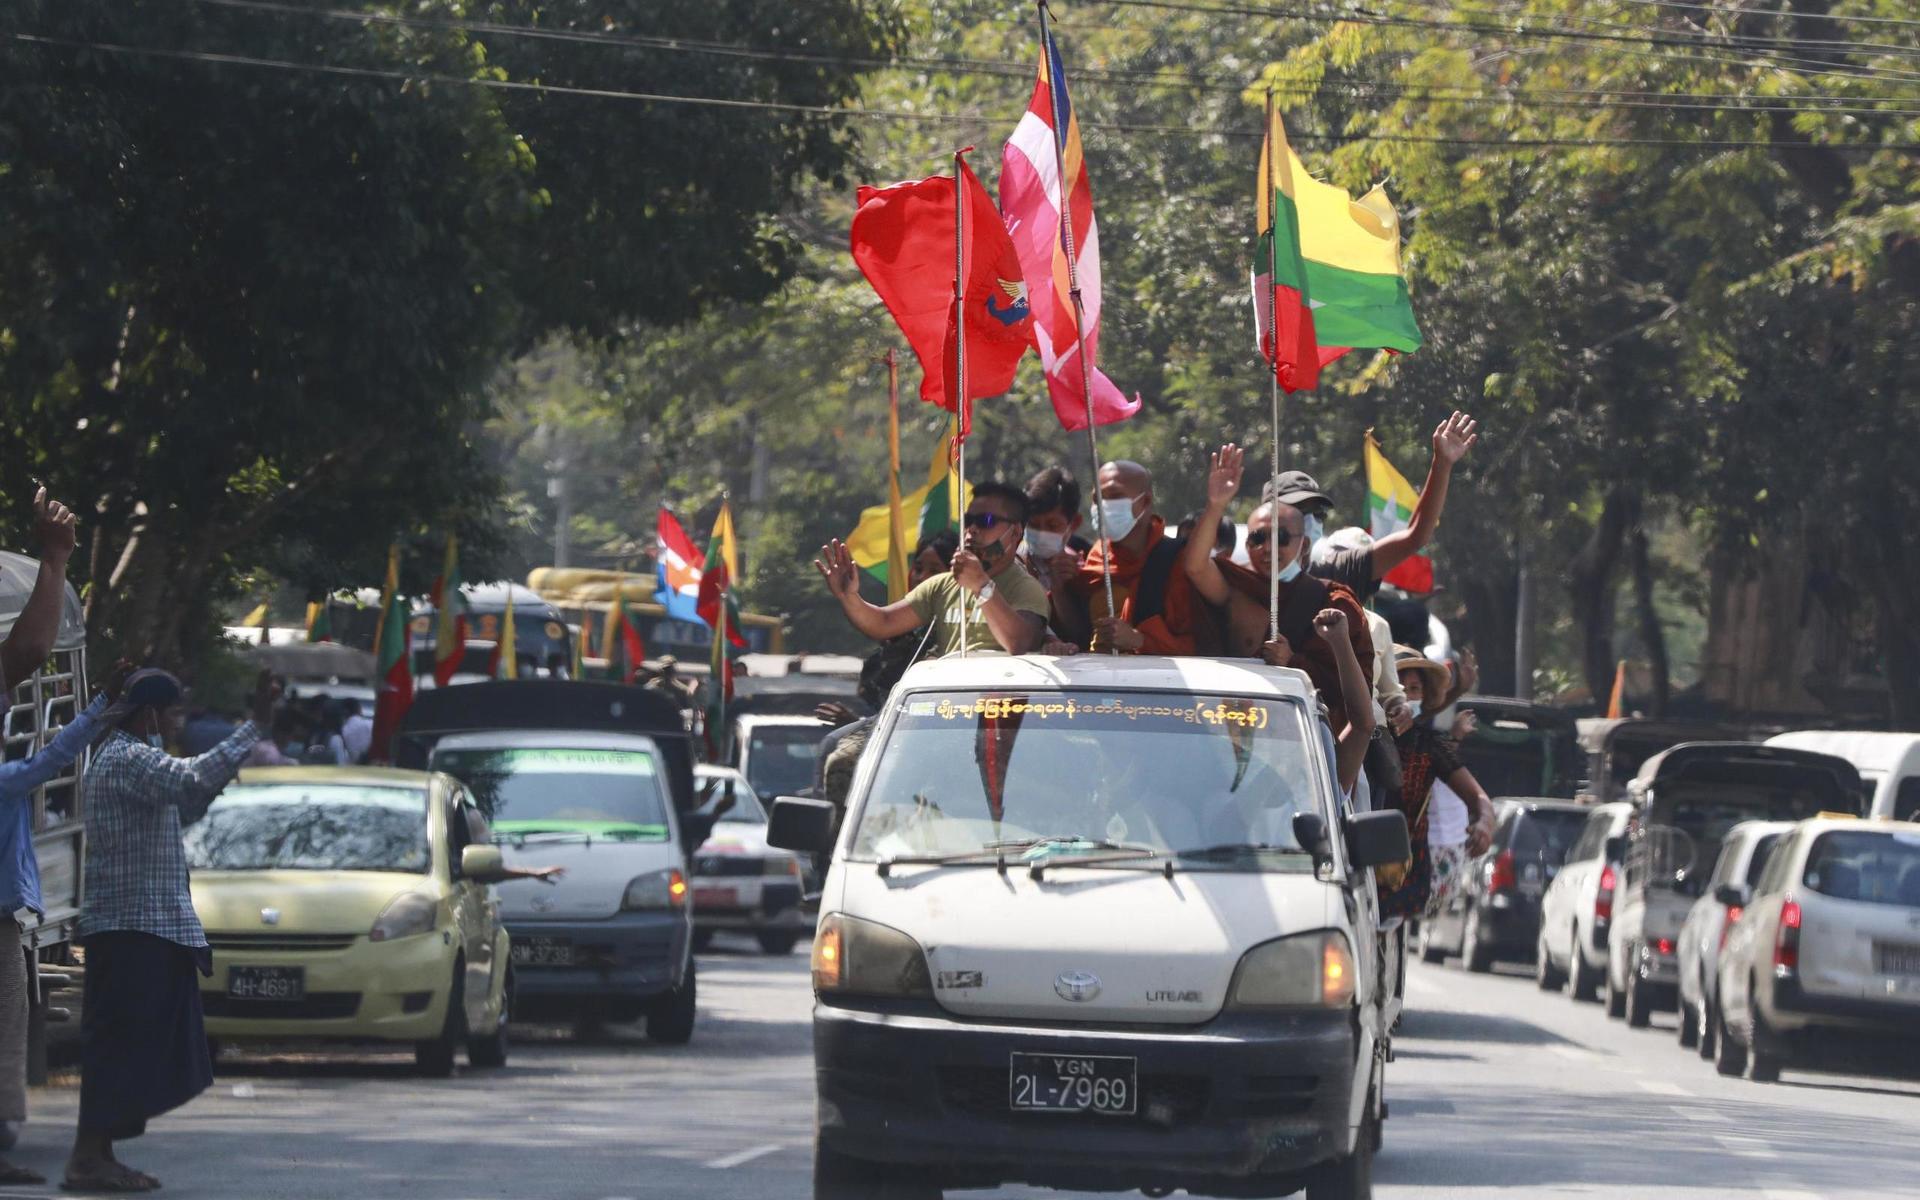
[
  {"x": 1075, "y": 851},
  {"x": 1236, "y": 850}
]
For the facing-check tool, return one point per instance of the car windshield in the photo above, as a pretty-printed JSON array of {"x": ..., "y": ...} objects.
[
  {"x": 563, "y": 789},
  {"x": 746, "y": 810},
  {"x": 1867, "y": 866},
  {"x": 780, "y": 758},
  {"x": 1545, "y": 835},
  {"x": 1213, "y": 780},
  {"x": 312, "y": 827}
]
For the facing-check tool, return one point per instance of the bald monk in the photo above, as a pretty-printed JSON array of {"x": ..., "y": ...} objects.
[
  {"x": 1152, "y": 598},
  {"x": 1274, "y": 532}
]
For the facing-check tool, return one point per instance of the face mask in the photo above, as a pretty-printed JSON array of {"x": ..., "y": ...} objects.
[
  {"x": 1291, "y": 571},
  {"x": 1043, "y": 545},
  {"x": 990, "y": 552},
  {"x": 1315, "y": 530},
  {"x": 1117, "y": 519}
]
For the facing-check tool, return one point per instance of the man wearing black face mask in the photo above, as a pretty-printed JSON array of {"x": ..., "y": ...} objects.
[{"x": 987, "y": 601}]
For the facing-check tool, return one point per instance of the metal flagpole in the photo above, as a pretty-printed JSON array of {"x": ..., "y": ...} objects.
[
  {"x": 1079, "y": 308},
  {"x": 960, "y": 367},
  {"x": 1273, "y": 323},
  {"x": 896, "y": 519}
]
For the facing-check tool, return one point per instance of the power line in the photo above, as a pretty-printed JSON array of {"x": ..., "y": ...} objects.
[
  {"x": 834, "y": 112},
  {"x": 1894, "y": 22},
  {"x": 1733, "y": 40},
  {"x": 1008, "y": 69}
]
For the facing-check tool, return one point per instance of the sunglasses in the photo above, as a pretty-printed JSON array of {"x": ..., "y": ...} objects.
[
  {"x": 1281, "y": 538},
  {"x": 987, "y": 520}
]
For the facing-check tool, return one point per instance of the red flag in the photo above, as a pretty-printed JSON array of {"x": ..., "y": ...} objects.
[{"x": 903, "y": 241}]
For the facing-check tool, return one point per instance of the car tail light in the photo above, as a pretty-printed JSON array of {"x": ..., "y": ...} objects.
[
  {"x": 1500, "y": 876},
  {"x": 1786, "y": 944},
  {"x": 1734, "y": 912},
  {"x": 1663, "y": 947},
  {"x": 1603, "y": 899}
]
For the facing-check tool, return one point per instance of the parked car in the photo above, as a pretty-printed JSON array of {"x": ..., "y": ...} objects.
[
  {"x": 1823, "y": 967},
  {"x": 596, "y": 778},
  {"x": 346, "y": 903},
  {"x": 740, "y": 883},
  {"x": 1889, "y": 765},
  {"x": 1686, "y": 799},
  {"x": 1097, "y": 923},
  {"x": 1576, "y": 915},
  {"x": 1495, "y": 914},
  {"x": 1743, "y": 856}
]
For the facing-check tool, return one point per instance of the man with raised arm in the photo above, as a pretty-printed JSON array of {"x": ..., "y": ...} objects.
[
  {"x": 1275, "y": 532},
  {"x": 986, "y": 601}
]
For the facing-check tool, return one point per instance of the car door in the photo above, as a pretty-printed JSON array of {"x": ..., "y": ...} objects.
[
  {"x": 1563, "y": 894},
  {"x": 473, "y": 905},
  {"x": 1702, "y": 926}
]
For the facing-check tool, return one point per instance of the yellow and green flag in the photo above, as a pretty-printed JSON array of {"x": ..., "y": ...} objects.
[
  {"x": 1390, "y": 504},
  {"x": 928, "y": 509}
]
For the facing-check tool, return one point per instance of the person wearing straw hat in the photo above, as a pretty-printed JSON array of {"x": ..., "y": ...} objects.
[
  {"x": 143, "y": 1038},
  {"x": 1427, "y": 755}
]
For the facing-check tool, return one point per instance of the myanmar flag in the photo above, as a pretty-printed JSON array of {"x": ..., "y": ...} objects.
[
  {"x": 930, "y": 508},
  {"x": 1390, "y": 503},
  {"x": 719, "y": 611},
  {"x": 393, "y": 662},
  {"x": 620, "y": 645},
  {"x": 320, "y": 620},
  {"x": 1329, "y": 262},
  {"x": 450, "y": 617}
]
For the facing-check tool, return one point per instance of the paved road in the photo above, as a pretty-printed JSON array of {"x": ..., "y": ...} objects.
[{"x": 1498, "y": 1091}]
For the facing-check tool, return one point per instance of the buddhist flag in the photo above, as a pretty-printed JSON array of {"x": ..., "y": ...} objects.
[
  {"x": 927, "y": 509},
  {"x": 450, "y": 617},
  {"x": 1331, "y": 265},
  {"x": 1390, "y": 504},
  {"x": 393, "y": 663},
  {"x": 677, "y": 565}
]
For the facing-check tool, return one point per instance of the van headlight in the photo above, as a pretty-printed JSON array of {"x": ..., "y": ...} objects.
[
  {"x": 852, "y": 957},
  {"x": 1309, "y": 970},
  {"x": 655, "y": 891},
  {"x": 406, "y": 915}
]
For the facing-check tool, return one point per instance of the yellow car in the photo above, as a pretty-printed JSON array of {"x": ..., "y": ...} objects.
[{"x": 353, "y": 904}]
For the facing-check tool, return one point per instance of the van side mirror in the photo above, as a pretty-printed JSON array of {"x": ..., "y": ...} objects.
[
  {"x": 1375, "y": 839},
  {"x": 1733, "y": 895},
  {"x": 801, "y": 825},
  {"x": 483, "y": 864},
  {"x": 1616, "y": 849},
  {"x": 1310, "y": 830}
]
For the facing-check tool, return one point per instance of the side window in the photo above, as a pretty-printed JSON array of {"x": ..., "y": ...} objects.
[
  {"x": 1906, "y": 801},
  {"x": 1591, "y": 837},
  {"x": 459, "y": 836},
  {"x": 1774, "y": 878},
  {"x": 479, "y": 833},
  {"x": 1724, "y": 869},
  {"x": 1762, "y": 855}
]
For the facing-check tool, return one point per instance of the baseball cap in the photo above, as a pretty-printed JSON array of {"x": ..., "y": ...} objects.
[{"x": 1296, "y": 488}]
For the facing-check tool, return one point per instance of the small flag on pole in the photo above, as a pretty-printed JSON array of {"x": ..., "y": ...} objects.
[
  {"x": 450, "y": 617},
  {"x": 1390, "y": 504},
  {"x": 506, "y": 658},
  {"x": 393, "y": 663}
]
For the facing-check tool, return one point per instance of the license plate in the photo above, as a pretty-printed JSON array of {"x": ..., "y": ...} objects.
[
  {"x": 1073, "y": 1084},
  {"x": 716, "y": 897},
  {"x": 542, "y": 952},
  {"x": 284, "y": 984},
  {"x": 1893, "y": 958}
]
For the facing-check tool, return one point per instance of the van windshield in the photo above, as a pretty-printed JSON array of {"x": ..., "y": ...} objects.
[
  {"x": 558, "y": 789},
  {"x": 1214, "y": 781}
]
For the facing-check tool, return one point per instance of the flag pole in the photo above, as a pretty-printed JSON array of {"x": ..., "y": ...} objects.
[
  {"x": 1079, "y": 308},
  {"x": 896, "y": 519},
  {"x": 1273, "y": 322},
  {"x": 960, "y": 364}
]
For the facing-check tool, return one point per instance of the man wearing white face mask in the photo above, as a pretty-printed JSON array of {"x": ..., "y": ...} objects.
[
  {"x": 1053, "y": 517},
  {"x": 1152, "y": 599}
]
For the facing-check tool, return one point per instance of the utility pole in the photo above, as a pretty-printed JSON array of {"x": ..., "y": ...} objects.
[
  {"x": 1523, "y": 605},
  {"x": 562, "y": 497}
]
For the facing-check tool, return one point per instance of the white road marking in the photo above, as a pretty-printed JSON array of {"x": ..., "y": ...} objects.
[
  {"x": 742, "y": 1157},
  {"x": 1662, "y": 1087},
  {"x": 1576, "y": 1053},
  {"x": 1788, "y": 1194},
  {"x": 1745, "y": 1147},
  {"x": 1699, "y": 1114}
]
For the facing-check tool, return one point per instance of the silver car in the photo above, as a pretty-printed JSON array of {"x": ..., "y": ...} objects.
[
  {"x": 741, "y": 884},
  {"x": 1743, "y": 856},
  {"x": 1576, "y": 914}
]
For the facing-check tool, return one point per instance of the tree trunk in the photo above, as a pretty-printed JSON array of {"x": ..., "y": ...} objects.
[
  {"x": 1590, "y": 580},
  {"x": 1490, "y": 618},
  {"x": 1651, "y": 634}
]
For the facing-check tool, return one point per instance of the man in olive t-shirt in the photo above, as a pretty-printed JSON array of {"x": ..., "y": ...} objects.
[{"x": 987, "y": 598}]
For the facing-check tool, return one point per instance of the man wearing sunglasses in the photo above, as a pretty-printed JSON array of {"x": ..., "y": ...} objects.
[
  {"x": 1276, "y": 533},
  {"x": 987, "y": 601}
]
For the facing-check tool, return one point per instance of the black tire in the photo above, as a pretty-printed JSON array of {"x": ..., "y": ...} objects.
[
  {"x": 671, "y": 1021},
  {"x": 1548, "y": 977},
  {"x": 838, "y": 1177},
  {"x": 702, "y": 938},
  {"x": 1729, "y": 1056},
  {"x": 491, "y": 1051},
  {"x": 1349, "y": 1178},
  {"x": 1689, "y": 1026},
  {"x": 1475, "y": 954},
  {"x": 1709, "y": 1028},
  {"x": 1638, "y": 1004},
  {"x": 777, "y": 942},
  {"x": 434, "y": 1058},
  {"x": 1616, "y": 998},
  {"x": 1764, "y": 1059},
  {"x": 1430, "y": 951},
  {"x": 1583, "y": 979}
]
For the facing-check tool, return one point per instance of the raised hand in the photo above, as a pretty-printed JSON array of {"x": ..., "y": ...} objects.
[
  {"x": 1454, "y": 437},
  {"x": 53, "y": 528},
  {"x": 116, "y": 680},
  {"x": 834, "y": 714},
  {"x": 1331, "y": 625},
  {"x": 266, "y": 694},
  {"x": 835, "y": 565},
  {"x": 1223, "y": 475}
]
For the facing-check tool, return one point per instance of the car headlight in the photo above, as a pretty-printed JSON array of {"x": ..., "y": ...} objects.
[
  {"x": 406, "y": 915},
  {"x": 784, "y": 866},
  {"x": 852, "y": 957},
  {"x": 1310, "y": 970},
  {"x": 656, "y": 890}
]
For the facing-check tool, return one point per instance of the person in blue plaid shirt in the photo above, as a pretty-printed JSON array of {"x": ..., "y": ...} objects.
[{"x": 143, "y": 1038}]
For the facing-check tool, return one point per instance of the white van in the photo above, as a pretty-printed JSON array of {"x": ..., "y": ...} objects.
[
  {"x": 1889, "y": 765},
  {"x": 1097, "y": 923}
]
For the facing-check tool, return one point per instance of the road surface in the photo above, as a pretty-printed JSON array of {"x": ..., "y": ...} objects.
[{"x": 1498, "y": 1091}]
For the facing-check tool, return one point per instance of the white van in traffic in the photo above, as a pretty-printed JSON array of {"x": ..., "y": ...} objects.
[
  {"x": 1097, "y": 923},
  {"x": 1889, "y": 765}
]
